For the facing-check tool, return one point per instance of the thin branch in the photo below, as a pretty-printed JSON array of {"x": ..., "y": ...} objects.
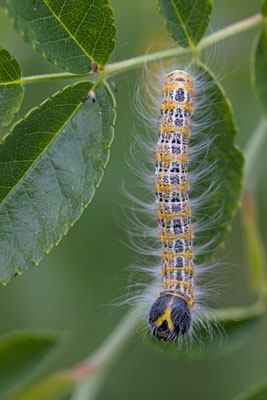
[
  {"x": 222, "y": 34},
  {"x": 115, "y": 68},
  {"x": 106, "y": 356},
  {"x": 253, "y": 246},
  {"x": 39, "y": 78}
]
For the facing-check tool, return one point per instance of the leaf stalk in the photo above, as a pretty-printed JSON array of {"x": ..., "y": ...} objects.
[{"x": 135, "y": 62}]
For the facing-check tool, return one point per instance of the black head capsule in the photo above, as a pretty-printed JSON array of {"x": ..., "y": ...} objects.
[{"x": 169, "y": 317}]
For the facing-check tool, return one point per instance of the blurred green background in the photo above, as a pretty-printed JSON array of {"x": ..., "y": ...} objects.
[{"x": 73, "y": 287}]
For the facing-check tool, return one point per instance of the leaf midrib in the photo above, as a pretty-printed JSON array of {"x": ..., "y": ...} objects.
[
  {"x": 66, "y": 29},
  {"x": 191, "y": 44}
]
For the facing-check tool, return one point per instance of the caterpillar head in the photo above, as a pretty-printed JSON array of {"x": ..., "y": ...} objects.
[{"x": 169, "y": 317}]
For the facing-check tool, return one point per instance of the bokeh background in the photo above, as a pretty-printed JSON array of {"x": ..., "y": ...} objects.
[{"x": 73, "y": 287}]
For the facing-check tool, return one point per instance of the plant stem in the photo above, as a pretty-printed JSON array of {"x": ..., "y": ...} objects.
[
  {"x": 107, "y": 355},
  {"x": 112, "y": 69},
  {"x": 253, "y": 153},
  {"x": 253, "y": 245},
  {"x": 117, "y": 340},
  {"x": 62, "y": 75},
  {"x": 231, "y": 30},
  {"x": 222, "y": 34}
]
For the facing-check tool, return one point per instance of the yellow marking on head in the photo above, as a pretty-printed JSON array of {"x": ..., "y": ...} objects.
[{"x": 166, "y": 316}]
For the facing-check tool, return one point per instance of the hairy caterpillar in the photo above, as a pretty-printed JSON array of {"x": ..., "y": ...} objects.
[
  {"x": 170, "y": 314},
  {"x": 182, "y": 210}
]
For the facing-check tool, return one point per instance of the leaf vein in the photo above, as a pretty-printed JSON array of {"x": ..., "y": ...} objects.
[{"x": 66, "y": 29}]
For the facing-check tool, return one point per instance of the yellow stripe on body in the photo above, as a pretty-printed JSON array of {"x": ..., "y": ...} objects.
[
  {"x": 171, "y": 215},
  {"x": 168, "y": 268},
  {"x": 169, "y": 188}
]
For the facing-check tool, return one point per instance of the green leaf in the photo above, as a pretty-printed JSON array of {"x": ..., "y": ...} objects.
[
  {"x": 50, "y": 165},
  {"x": 186, "y": 21},
  {"x": 259, "y": 69},
  {"x": 69, "y": 33},
  {"x": 11, "y": 92},
  {"x": 257, "y": 391},
  {"x": 23, "y": 355},
  {"x": 50, "y": 388},
  {"x": 231, "y": 328},
  {"x": 221, "y": 189},
  {"x": 264, "y": 8}
]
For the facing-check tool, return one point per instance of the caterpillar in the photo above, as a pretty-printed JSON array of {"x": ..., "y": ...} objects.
[
  {"x": 170, "y": 314},
  {"x": 181, "y": 203}
]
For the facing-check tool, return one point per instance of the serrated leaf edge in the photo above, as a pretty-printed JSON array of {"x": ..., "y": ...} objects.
[
  {"x": 191, "y": 44},
  {"x": 47, "y": 251},
  {"x": 43, "y": 53}
]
